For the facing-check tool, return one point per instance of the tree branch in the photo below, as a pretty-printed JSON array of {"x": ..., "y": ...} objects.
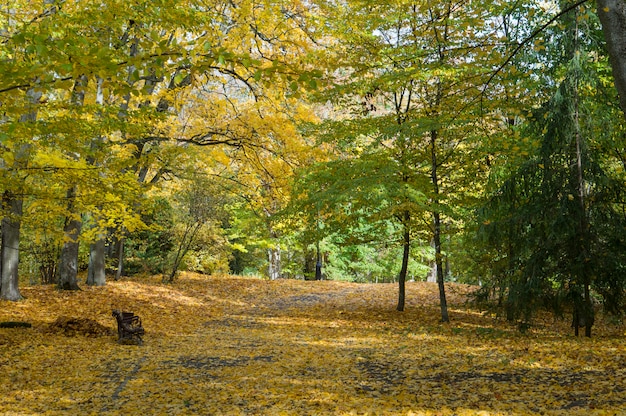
[{"x": 526, "y": 42}]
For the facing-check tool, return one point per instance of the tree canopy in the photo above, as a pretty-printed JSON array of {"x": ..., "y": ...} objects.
[{"x": 388, "y": 141}]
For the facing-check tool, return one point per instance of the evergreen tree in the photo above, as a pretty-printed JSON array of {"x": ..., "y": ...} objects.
[{"x": 553, "y": 225}]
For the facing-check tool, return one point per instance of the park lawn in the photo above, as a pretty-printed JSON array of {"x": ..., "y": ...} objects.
[{"x": 224, "y": 345}]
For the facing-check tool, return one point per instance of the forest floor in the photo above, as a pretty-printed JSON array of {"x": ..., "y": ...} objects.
[{"x": 243, "y": 346}]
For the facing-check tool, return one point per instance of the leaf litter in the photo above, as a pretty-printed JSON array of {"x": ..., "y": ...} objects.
[{"x": 228, "y": 345}]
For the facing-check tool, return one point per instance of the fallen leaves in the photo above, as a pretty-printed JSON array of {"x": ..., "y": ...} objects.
[
  {"x": 227, "y": 345},
  {"x": 70, "y": 327}
]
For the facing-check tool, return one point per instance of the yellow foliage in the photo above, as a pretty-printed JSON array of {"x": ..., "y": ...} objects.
[{"x": 235, "y": 346}]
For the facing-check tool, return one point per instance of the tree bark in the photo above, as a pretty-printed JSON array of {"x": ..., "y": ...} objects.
[
  {"x": 440, "y": 277},
  {"x": 318, "y": 262},
  {"x": 11, "y": 223},
  {"x": 68, "y": 264},
  {"x": 96, "y": 275},
  {"x": 612, "y": 15},
  {"x": 406, "y": 246},
  {"x": 9, "y": 249},
  {"x": 437, "y": 228},
  {"x": 273, "y": 269}
]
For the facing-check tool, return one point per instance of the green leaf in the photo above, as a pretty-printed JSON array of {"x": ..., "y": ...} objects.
[
  {"x": 67, "y": 67},
  {"x": 179, "y": 78},
  {"x": 134, "y": 76}
]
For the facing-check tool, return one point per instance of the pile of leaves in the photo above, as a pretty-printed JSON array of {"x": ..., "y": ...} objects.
[
  {"x": 79, "y": 326},
  {"x": 230, "y": 345}
]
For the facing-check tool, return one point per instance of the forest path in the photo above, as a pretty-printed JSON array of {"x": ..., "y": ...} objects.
[{"x": 246, "y": 346}]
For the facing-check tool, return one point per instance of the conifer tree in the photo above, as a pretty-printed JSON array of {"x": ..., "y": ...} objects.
[{"x": 552, "y": 223}]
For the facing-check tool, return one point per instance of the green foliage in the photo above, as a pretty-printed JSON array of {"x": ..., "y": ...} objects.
[
  {"x": 553, "y": 226},
  {"x": 248, "y": 238},
  {"x": 147, "y": 251},
  {"x": 373, "y": 262},
  {"x": 425, "y": 114},
  {"x": 199, "y": 215}
]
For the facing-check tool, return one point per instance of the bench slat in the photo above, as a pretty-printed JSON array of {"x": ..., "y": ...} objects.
[{"x": 128, "y": 326}]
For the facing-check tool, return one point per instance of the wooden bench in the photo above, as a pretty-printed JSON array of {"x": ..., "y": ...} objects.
[{"x": 129, "y": 327}]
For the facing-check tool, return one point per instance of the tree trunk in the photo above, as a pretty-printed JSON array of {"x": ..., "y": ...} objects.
[
  {"x": 439, "y": 264},
  {"x": 68, "y": 264},
  {"x": 612, "y": 15},
  {"x": 437, "y": 228},
  {"x": 431, "y": 276},
  {"x": 11, "y": 224},
  {"x": 318, "y": 262},
  {"x": 273, "y": 269},
  {"x": 589, "y": 313},
  {"x": 9, "y": 249},
  {"x": 96, "y": 275},
  {"x": 120, "y": 259},
  {"x": 406, "y": 245}
]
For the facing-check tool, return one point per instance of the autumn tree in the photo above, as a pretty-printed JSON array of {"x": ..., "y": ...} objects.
[
  {"x": 50, "y": 51},
  {"x": 12, "y": 202},
  {"x": 131, "y": 68},
  {"x": 407, "y": 80},
  {"x": 19, "y": 124},
  {"x": 198, "y": 204}
]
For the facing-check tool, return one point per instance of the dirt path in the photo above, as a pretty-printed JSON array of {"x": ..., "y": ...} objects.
[{"x": 245, "y": 347}]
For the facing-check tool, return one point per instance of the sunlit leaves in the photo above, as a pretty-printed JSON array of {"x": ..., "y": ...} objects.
[
  {"x": 153, "y": 80},
  {"x": 235, "y": 345}
]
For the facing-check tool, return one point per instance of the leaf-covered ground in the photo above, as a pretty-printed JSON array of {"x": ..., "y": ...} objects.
[{"x": 238, "y": 346}]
